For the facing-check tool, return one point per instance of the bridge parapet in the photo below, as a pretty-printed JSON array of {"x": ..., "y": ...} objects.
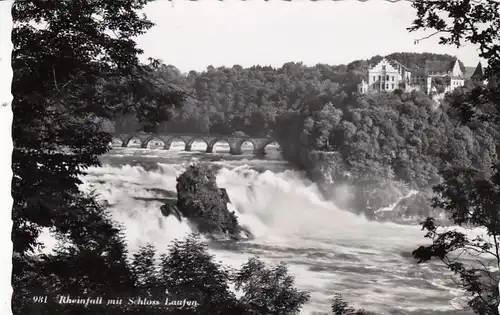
[{"x": 235, "y": 143}]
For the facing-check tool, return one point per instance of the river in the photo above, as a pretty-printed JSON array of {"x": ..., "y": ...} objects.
[{"x": 327, "y": 249}]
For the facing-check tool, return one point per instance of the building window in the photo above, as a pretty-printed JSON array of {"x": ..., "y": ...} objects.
[
  {"x": 393, "y": 86},
  {"x": 392, "y": 78},
  {"x": 387, "y": 86},
  {"x": 374, "y": 79},
  {"x": 387, "y": 78},
  {"x": 379, "y": 78}
]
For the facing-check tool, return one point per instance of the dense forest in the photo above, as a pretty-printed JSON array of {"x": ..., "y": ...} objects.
[{"x": 224, "y": 100}]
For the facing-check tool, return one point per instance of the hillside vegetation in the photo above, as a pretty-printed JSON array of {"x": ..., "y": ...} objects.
[{"x": 225, "y": 100}]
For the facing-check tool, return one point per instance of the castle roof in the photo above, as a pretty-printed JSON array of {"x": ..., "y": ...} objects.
[
  {"x": 395, "y": 63},
  {"x": 434, "y": 66},
  {"x": 478, "y": 73},
  {"x": 439, "y": 66},
  {"x": 418, "y": 73},
  {"x": 469, "y": 71}
]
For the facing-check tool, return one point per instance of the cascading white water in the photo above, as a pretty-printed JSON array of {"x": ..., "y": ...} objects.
[{"x": 327, "y": 249}]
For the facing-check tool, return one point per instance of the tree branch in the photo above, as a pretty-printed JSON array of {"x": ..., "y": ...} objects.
[{"x": 417, "y": 41}]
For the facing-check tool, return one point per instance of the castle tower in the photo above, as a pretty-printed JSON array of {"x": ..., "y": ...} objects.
[{"x": 477, "y": 76}]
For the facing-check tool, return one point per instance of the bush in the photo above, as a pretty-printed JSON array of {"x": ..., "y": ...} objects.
[
  {"x": 341, "y": 307},
  {"x": 189, "y": 272},
  {"x": 269, "y": 291}
]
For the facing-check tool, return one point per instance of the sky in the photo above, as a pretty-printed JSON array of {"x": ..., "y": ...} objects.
[{"x": 193, "y": 35}]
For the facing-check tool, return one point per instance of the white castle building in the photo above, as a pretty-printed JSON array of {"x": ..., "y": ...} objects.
[{"x": 435, "y": 77}]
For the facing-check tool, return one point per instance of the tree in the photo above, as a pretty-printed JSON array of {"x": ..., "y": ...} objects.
[
  {"x": 190, "y": 272},
  {"x": 471, "y": 200},
  {"x": 470, "y": 197},
  {"x": 468, "y": 21},
  {"x": 144, "y": 267},
  {"x": 65, "y": 56},
  {"x": 341, "y": 307},
  {"x": 55, "y": 134},
  {"x": 90, "y": 259},
  {"x": 269, "y": 290}
]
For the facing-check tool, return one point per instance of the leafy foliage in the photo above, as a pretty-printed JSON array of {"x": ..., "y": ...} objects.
[
  {"x": 250, "y": 100},
  {"x": 188, "y": 271},
  {"x": 269, "y": 291},
  {"x": 386, "y": 142},
  {"x": 64, "y": 53},
  {"x": 471, "y": 200},
  {"x": 470, "y": 195},
  {"x": 93, "y": 241},
  {"x": 475, "y": 22},
  {"x": 341, "y": 307}
]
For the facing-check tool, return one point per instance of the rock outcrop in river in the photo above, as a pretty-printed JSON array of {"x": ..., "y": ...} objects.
[{"x": 204, "y": 204}]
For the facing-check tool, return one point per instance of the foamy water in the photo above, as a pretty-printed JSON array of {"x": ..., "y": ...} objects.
[{"x": 328, "y": 250}]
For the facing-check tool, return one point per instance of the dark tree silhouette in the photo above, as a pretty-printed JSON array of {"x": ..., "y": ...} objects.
[
  {"x": 64, "y": 52},
  {"x": 469, "y": 196}
]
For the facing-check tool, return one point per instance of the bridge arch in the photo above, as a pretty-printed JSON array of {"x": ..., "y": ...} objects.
[
  {"x": 261, "y": 148},
  {"x": 134, "y": 139},
  {"x": 153, "y": 139},
  {"x": 214, "y": 141},
  {"x": 238, "y": 146},
  {"x": 241, "y": 142},
  {"x": 168, "y": 142},
  {"x": 116, "y": 142},
  {"x": 194, "y": 139}
]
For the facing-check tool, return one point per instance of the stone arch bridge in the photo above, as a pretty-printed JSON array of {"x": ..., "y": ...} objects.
[{"x": 235, "y": 142}]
